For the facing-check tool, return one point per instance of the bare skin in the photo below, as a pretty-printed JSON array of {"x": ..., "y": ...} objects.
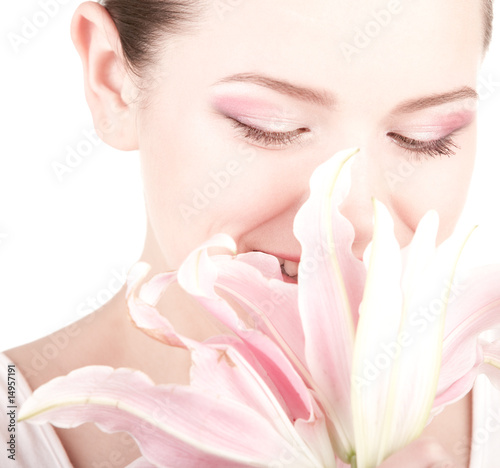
[{"x": 394, "y": 85}]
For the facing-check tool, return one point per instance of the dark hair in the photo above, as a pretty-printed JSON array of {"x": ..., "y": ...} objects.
[
  {"x": 144, "y": 26},
  {"x": 488, "y": 22}
]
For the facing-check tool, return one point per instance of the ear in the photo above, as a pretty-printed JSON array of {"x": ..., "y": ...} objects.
[{"x": 108, "y": 88}]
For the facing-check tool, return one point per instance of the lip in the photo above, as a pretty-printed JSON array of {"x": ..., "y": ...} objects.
[
  {"x": 288, "y": 257},
  {"x": 283, "y": 256},
  {"x": 290, "y": 279}
]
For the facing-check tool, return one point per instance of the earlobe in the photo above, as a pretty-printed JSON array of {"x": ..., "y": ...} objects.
[{"x": 108, "y": 87}]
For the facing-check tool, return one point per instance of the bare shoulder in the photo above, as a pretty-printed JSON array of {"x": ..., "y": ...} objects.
[
  {"x": 76, "y": 345},
  {"x": 53, "y": 355}
]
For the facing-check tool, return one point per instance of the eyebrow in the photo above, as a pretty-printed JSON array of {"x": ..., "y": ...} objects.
[
  {"x": 326, "y": 99},
  {"x": 322, "y": 98},
  {"x": 414, "y": 105}
]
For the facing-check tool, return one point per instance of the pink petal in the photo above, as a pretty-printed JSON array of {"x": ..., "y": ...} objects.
[
  {"x": 244, "y": 380},
  {"x": 278, "y": 365},
  {"x": 198, "y": 273},
  {"x": 268, "y": 304},
  {"x": 141, "y": 305},
  {"x": 266, "y": 264},
  {"x": 140, "y": 463},
  {"x": 331, "y": 284},
  {"x": 284, "y": 376},
  {"x": 174, "y": 426},
  {"x": 231, "y": 372},
  {"x": 474, "y": 308},
  {"x": 487, "y": 363},
  {"x": 315, "y": 433},
  {"x": 491, "y": 362},
  {"x": 285, "y": 380}
]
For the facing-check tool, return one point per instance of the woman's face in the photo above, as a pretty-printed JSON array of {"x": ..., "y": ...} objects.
[{"x": 395, "y": 78}]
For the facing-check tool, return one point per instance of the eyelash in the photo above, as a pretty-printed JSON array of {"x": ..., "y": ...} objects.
[
  {"x": 441, "y": 147},
  {"x": 269, "y": 138}
]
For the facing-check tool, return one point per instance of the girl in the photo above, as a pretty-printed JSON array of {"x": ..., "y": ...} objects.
[{"x": 232, "y": 105}]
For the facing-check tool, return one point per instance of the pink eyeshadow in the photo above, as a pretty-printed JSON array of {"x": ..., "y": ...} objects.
[
  {"x": 437, "y": 126},
  {"x": 243, "y": 106},
  {"x": 457, "y": 120}
]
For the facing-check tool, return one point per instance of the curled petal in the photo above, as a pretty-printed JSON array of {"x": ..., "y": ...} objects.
[
  {"x": 267, "y": 304},
  {"x": 474, "y": 309},
  {"x": 141, "y": 301},
  {"x": 174, "y": 426},
  {"x": 279, "y": 370},
  {"x": 197, "y": 273},
  {"x": 330, "y": 287}
]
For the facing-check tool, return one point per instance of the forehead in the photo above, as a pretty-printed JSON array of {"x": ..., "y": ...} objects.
[{"x": 351, "y": 48}]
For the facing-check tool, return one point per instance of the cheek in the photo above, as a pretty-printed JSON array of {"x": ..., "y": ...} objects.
[{"x": 196, "y": 187}]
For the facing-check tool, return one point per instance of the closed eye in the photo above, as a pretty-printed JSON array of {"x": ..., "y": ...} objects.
[
  {"x": 441, "y": 147},
  {"x": 276, "y": 139}
]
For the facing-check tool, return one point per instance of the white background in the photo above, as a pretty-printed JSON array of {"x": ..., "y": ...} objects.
[{"x": 63, "y": 242}]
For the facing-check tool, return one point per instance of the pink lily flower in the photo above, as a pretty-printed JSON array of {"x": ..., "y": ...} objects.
[
  {"x": 235, "y": 412},
  {"x": 344, "y": 360}
]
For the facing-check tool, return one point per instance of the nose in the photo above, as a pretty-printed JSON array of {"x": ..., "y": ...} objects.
[
  {"x": 275, "y": 233},
  {"x": 367, "y": 182}
]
